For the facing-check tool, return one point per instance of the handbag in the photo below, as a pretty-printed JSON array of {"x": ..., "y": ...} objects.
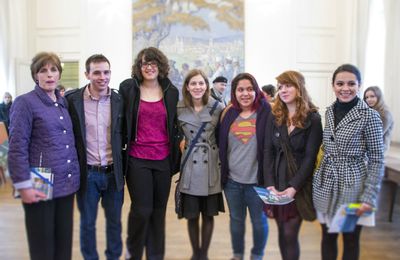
[
  {"x": 303, "y": 197},
  {"x": 178, "y": 194}
]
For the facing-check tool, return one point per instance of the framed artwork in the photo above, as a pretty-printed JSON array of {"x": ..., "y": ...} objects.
[{"x": 207, "y": 35}]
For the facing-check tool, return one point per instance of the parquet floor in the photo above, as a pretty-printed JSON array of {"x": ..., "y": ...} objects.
[{"x": 380, "y": 242}]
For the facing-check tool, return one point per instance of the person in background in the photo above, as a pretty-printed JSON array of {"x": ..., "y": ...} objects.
[
  {"x": 200, "y": 181},
  {"x": 295, "y": 125},
  {"x": 150, "y": 101},
  {"x": 352, "y": 167},
  {"x": 218, "y": 89},
  {"x": 241, "y": 144},
  {"x": 374, "y": 98},
  {"x": 62, "y": 89},
  {"x": 97, "y": 117},
  {"x": 41, "y": 135},
  {"x": 269, "y": 92},
  {"x": 5, "y": 110}
]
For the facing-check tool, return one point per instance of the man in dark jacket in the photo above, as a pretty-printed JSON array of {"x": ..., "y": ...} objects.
[
  {"x": 96, "y": 113},
  {"x": 218, "y": 89}
]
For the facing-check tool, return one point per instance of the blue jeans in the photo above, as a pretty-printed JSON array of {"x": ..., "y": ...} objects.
[
  {"x": 240, "y": 197},
  {"x": 100, "y": 185}
]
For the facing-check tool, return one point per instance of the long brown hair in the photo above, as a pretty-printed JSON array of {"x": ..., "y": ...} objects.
[
  {"x": 303, "y": 101},
  {"x": 187, "y": 98},
  {"x": 380, "y": 105}
]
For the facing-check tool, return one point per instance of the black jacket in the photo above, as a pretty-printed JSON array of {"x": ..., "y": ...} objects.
[
  {"x": 304, "y": 144},
  {"x": 76, "y": 110},
  {"x": 130, "y": 92}
]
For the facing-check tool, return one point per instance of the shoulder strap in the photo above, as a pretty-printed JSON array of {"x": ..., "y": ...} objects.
[
  {"x": 197, "y": 136},
  {"x": 292, "y": 166}
]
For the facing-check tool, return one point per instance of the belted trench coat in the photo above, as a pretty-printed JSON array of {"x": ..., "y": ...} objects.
[{"x": 200, "y": 175}]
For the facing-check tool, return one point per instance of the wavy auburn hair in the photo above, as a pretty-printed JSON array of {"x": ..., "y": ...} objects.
[{"x": 303, "y": 100}]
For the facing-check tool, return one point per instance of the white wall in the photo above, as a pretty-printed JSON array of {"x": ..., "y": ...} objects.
[
  {"x": 74, "y": 30},
  {"x": 311, "y": 36}
]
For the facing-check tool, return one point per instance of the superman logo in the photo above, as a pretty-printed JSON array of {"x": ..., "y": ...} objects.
[{"x": 244, "y": 130}]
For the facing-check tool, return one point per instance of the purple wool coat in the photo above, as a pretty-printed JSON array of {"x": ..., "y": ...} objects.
[{"x": 39, "y": 126}]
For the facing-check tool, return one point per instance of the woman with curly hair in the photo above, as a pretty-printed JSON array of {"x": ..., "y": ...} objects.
[
  {"x": 150, "y": 102},
  {"x": 295, "y": 134},
  {"x": 374, "y": 98}
]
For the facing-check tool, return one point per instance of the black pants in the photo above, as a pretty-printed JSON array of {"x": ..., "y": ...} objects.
[
  {"x": 148, "y": 183},
  {"x": 351, "y": 244},
  {"x": 49, "y": 228}
]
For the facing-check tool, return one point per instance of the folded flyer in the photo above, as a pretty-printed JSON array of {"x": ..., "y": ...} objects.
[
  {"x": 271, "y": 198},
  {"x": 345, "y": 219}
]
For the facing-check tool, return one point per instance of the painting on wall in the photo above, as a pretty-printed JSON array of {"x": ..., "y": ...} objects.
[{"x": 204, "y": 34}]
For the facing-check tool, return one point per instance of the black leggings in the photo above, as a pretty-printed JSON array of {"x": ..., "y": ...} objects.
[
  {"x": 200, "y": 241},
  {"x": 288, "y": 233},
  {"x": 351, "y": 244}
]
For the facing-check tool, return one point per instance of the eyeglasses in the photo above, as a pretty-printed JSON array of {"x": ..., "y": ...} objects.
[{"x": 152, "y": 64}]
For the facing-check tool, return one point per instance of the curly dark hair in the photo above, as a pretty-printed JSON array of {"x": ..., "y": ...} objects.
[
  {"x": 151, "y": 54},
  {"x": 303, "y": 100}
]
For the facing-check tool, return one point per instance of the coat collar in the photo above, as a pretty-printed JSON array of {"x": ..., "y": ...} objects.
[
  {"x": 46, "y": 99},
  {"x": 354, "y": 114},
  {"x": 283, "y": 130},
  {"x": 196, "y": 118}
]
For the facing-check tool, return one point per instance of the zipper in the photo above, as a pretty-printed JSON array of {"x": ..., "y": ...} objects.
[
  {"x": 165, "y": 105},
  {"x": 137, "y": 115}
]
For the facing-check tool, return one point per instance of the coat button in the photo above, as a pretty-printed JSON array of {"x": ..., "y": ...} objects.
[
  {"x": 204, "y": 140},
  {"x": 191, "y": 131},
  {"x": 205, "y": 161},
  {"x": 213, "y": 147},
  {"x": 194, "y": 161}
]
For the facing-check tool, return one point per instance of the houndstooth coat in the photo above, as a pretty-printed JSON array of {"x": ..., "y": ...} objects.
[{"x": 352, "y": 167}]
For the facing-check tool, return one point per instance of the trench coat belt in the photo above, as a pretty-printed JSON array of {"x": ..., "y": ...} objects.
[{"x": 186, "y": 183}]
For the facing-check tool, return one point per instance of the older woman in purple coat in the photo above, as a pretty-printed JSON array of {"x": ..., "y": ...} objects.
[{"x": 41, "y": 140}]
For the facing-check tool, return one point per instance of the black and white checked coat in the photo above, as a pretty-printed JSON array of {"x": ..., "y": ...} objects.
[{"x": 352, "y": 167}]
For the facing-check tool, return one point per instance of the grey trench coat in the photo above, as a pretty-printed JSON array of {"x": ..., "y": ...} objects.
[{"x": 200, "y": 175}]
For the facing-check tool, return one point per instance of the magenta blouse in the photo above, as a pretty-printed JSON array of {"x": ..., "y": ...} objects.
[{"x": 151, "y": 141}]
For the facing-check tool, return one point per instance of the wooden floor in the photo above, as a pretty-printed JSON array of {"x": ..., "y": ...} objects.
[{"x": 380, "y": 242}]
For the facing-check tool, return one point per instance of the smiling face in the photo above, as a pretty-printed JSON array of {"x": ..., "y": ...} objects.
[
  {"x": 197, "y": 87},
  {"x": 245, "y": 94},
  {"x": 370, "y": 98},
  {"x": 346, "y": 86},
  {"x": 99, "y": 76},
  {"x": 48, "y": 77},
  {"x": 149, "y": 69},
  {"x": 287, "y": 93}
]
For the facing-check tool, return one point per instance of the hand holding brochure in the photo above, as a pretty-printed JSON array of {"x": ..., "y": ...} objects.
[
  {"x": 42, "y": 180},
  {"x": 271, "y": 198},
  {"x": 345, "y": 219}
]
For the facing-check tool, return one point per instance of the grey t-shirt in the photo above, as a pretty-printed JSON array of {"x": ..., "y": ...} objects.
[{"x": 242, "y": 150}]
